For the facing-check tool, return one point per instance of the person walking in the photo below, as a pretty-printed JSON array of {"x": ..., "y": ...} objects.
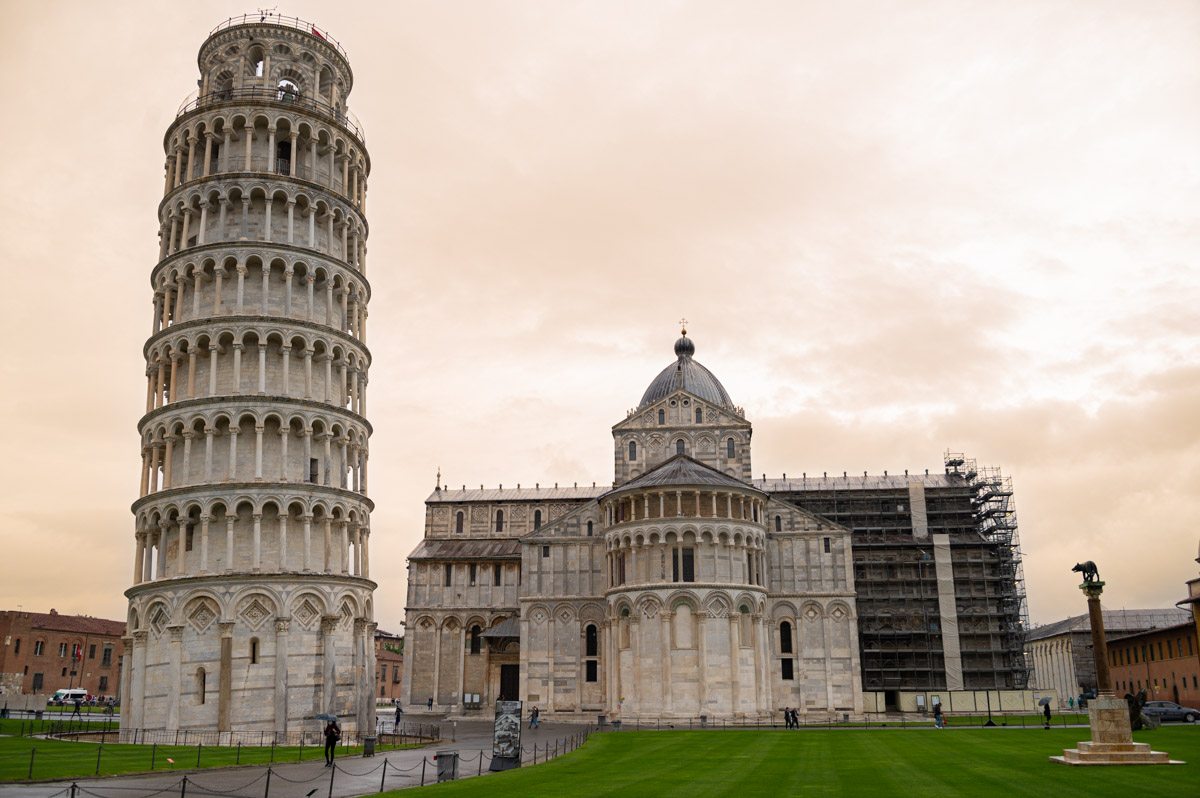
[
  {"x": 939, "y": 721},
  {"x": 1071, "y": 703},
  {"x": 1046, "y": 712},
  {"x": 77, "y": 711},
  {"x": 430, "y": 703},
  {"x": 787, "y": 717},
  {"x": 533, "y": 718},
  {"x": 332, "y": 734}
]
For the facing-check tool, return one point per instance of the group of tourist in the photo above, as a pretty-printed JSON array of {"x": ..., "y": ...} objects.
[{"x": 791, "y": 718}]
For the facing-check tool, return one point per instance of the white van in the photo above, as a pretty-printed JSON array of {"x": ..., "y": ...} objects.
[{"x": 68, "y": 696}]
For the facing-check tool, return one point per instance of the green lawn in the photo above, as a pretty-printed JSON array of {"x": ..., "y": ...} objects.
[
  {"x": 962, "y": 762},
  {"x": 60, "y": 759}
]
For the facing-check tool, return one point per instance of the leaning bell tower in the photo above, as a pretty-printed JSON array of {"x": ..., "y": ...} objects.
[{"x": 251, "y": 605}]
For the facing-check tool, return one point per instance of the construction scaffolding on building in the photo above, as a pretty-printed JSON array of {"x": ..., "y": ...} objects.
[
  {"x": 994, "y": 588},
  {"x": 937, "y": 569}
]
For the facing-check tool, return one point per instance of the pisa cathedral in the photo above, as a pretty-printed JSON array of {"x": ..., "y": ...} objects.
[
  {"x": 682, "y": 590},
  {"x": 251, "y": 604}
]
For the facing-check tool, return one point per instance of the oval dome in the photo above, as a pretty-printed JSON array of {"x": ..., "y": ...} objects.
[{"x": 685, "y": 373}]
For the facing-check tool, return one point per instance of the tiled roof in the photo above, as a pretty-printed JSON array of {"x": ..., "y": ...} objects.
[
  {"x": 870, "y": 482},
  {"x": 462, "y": 495},
  {"x": 1148, "y": 632},
  {"x": 510, "y": 627},
  {"x": 683, "y": 470},
  {"x": 78, "y": 624},
  {"x": 481, "y": 549},
  {"x": 1115, "y": 621}
]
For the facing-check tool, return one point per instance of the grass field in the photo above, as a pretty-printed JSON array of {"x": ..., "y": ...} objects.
[
  {"x": 964, "y": 762},
  {"x": 59, "y": 759}
]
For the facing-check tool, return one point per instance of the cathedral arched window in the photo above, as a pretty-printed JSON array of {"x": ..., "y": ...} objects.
[
  {"x": 699, "y": 415},
  {"x": 499, "y": 520},
  {"x": 254, "y": 651},
  {"x": 729, "y": 450},
  {"x": 633, "y": 450},
  {"x": 589, "y": 529},
  {"x": 201, "y": 679},
  {"x": 458, "y": 522},
  {"x": 680, "y": 447},
  {"x": 592, "y": 641},
  {"x": 785, "y": 638},
  {"x": 662, "y": 417},
  {"x": 476, "y": 639},
  {"x": 537, "y": 519},
  {"x": 778, "y": 524}
]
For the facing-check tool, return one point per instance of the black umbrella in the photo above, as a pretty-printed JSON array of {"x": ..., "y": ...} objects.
[{"x": 1045, "y": 700}]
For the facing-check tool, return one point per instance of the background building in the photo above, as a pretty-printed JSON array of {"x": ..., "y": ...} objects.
[
  {"x": 1165, "y": 662},
  {"x": 46, "y": 652},
  {"x": 389, "y": 654},
  {"x": 1062, "y": 651},
  {"x": 251, "y": 608},
  {"x": 576, "y": 599}
]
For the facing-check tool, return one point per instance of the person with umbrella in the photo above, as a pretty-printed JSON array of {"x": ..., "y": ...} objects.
[
  {"x": 333, "y": 733},
  {"x": 1045, "y": 702}
]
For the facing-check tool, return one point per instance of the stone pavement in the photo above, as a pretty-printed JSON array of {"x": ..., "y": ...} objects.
[{"x": 354, "y": 775}]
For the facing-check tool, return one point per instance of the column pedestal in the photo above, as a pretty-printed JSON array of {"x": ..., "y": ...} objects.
[{"x": 1112, "y": 739}]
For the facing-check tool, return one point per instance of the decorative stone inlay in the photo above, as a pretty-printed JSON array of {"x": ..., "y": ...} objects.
[
  {"x": 255, "y": 614},
  {"x": 159, "y": 621},
  {"x": 441, "y": 513},
  {"x": 306, "y": 614},
  {"x": 202, "y": 617}
]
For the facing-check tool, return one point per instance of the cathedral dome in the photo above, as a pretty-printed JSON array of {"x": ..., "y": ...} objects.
[{"x": 689, "y": 375}]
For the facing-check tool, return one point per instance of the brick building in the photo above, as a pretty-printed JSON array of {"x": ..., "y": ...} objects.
[
  {"x": 389, "y": 653},
  {"x": 45, "y": 652},
  {"x": 1165, "y": 662},
  {"x": 1061, "y": 652}
]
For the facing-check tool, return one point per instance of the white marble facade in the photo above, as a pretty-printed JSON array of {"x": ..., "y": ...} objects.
[
  {"x": 251, "y": 604},
  {"x": 680, "y": 591}
]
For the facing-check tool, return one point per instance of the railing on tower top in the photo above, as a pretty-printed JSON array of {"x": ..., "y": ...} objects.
[
  {"x": 343, "y": 116},
  {"x": 286, "y": 22}
]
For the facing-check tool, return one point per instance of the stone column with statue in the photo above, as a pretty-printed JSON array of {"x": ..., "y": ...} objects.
[{"x": 1112, "y": 737}]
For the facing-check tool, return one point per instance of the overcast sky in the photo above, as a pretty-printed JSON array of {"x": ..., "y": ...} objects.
[{"x": 895, "y": 228}]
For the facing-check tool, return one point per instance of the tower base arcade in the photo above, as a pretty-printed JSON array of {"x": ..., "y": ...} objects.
[{"x": 252, "y": 653}]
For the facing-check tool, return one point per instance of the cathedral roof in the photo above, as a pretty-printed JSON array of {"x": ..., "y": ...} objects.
[
  {"x": 518, "y": 494},
  {"x": 688, "y": 375},
  {"x": 477, "y": 549},
  {"x": 683, "y": 470}
]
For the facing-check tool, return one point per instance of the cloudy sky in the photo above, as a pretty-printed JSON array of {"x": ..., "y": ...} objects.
[{"x": 895, "y": 228}]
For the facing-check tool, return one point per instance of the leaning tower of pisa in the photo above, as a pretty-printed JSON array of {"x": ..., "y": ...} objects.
[{"x": 251, "y": 608}]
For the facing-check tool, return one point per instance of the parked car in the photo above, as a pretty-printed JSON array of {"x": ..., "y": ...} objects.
[{"x": 1168, "y": 710}]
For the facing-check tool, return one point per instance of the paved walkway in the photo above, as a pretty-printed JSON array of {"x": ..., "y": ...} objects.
[{"x": 353, "y": 775}]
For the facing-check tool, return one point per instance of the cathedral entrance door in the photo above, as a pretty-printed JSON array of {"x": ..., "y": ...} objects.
[{"x": 510, "y": 682}]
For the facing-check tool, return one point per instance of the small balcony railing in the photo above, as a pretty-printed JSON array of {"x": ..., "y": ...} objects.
[
  {"x": 342, "y": 117},
  {"x": 267, "y": 18}
]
